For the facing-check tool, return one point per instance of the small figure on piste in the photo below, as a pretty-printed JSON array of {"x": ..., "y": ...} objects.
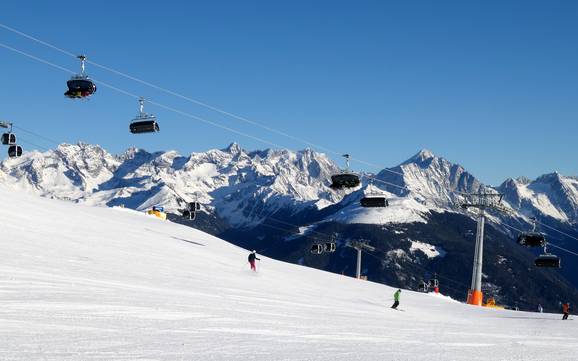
[
  {"x": 396, "y": 299},
  {"x": 565, "y": 310},
  {"x": 252, "y": 257}
]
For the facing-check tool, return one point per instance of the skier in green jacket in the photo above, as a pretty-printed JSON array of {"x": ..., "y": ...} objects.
[{"x": 396, "y": 299}]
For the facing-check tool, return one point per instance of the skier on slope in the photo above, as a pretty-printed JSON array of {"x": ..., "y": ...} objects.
[
  {"x": 396, "y": 299},
  {"x": 252, "y": 257},
  {"x": 565, "y": 310}
]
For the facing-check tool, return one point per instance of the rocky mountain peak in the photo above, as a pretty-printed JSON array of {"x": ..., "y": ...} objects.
[
  {"x": 236, "y": 183},
  {"x": 422, "y": 157},
  {"x": 233, "y": 148}
]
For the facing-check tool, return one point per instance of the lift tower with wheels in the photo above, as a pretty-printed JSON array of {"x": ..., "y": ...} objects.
[
  {"x": 360, "y": 246},
  {"x": 482, "y": 202}
]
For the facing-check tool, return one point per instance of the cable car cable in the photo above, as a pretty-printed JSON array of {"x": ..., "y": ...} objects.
[
  {"x": 195, "y": 101},
  {"x": 199, "y": 118},
  {"x": 557, "y": 230},
  {"x": 549, "y": 243}
]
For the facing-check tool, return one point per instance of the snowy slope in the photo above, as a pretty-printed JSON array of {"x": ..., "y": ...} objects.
[{"x": 86, "y": 283}]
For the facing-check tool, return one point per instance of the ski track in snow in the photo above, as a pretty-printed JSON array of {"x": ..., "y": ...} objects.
[{"x": 88, "y": 283}]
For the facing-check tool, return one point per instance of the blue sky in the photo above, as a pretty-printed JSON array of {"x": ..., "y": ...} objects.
[{"x": 492, "y": 85}]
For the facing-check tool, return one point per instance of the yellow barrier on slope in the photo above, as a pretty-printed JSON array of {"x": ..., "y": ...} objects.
[
  {"x": 157, "y": 213},
  {"x": 491, "y": 303}
]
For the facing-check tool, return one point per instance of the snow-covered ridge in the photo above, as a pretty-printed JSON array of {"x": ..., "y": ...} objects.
[
  {"x": 551, "y": 195},
  {"x": 245, "y": 187},
  {"x": 241, "y": 186}
]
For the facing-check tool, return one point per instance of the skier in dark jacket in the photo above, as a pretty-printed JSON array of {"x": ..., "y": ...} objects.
[
  {"x": 396, "y": 299},
  {"x": 565, "y": 310},
  {"x": 252, "y": 257}
]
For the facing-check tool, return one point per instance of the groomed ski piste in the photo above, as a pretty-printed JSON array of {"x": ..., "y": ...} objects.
[{"x": 95, "y": 283}]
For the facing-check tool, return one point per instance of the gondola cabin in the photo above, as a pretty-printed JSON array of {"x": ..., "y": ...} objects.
[
  {"x": 374, "y": 202},
  {"x": 317, "y": 249},
  {"x": 330, "y": 247},
  {"x": 143, "y": 123},
  {"x": 8, "y": 138},
  {"x": 194, "y": 206},
  {"x": 532, "y": 239},
  {"x": 344, "y": 180},
  {"x": 14, "y": 151},
  {"x": 80, "y": 87},
  {"x": 144, "y": 126},
  {"x": 191, "y": 211},
  {"x": 547, "y": 261}
]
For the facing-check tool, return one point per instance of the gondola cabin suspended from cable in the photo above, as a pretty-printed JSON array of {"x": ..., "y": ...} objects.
[
  {"x": 547, "y": 261},
  {"x": 532, "y": 239},
  {"x": 374, "y": 201},
  {"x": 317, "y": 249},
  {"x": 8, "y": 138},
  {"x": 80, "y": 86},
  {"x": 345, "y": 179},
  {"x": 374, "y": 198},
  {"x": 143, "y": 123},
  {"x": 330, "y": 247},
  {"x": 194, "y": 206},
  {"x": 191, "y": 211},
  {"x": 14, "y": 151}
]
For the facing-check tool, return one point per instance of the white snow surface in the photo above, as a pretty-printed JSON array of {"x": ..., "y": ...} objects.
[
  {"x": 429, "y": 250},
  {"x": 92, "y": 283},
  {"x": 400, "y": 210}
]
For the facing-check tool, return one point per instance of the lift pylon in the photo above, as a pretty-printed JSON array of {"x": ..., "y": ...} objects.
[
  {"x": 482, "y": 202},
  {"x": 360, "y": 246}
]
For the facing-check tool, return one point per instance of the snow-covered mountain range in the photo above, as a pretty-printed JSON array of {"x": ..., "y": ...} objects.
[
  {"x": 280, "y": 203},
  {"x": 243, "y": 187}
]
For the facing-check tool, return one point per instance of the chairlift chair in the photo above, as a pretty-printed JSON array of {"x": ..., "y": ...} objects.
[
  {"x": 14, "y": 151},
  {"x": 531, "y": 239},
  {"x": 80, "y": 85},
  {"x": 547, "y": 260},
  {"x": 372, "y": 201},
  {"x": 143, "y": 123},
  {"x": 345, "y": 179}
]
